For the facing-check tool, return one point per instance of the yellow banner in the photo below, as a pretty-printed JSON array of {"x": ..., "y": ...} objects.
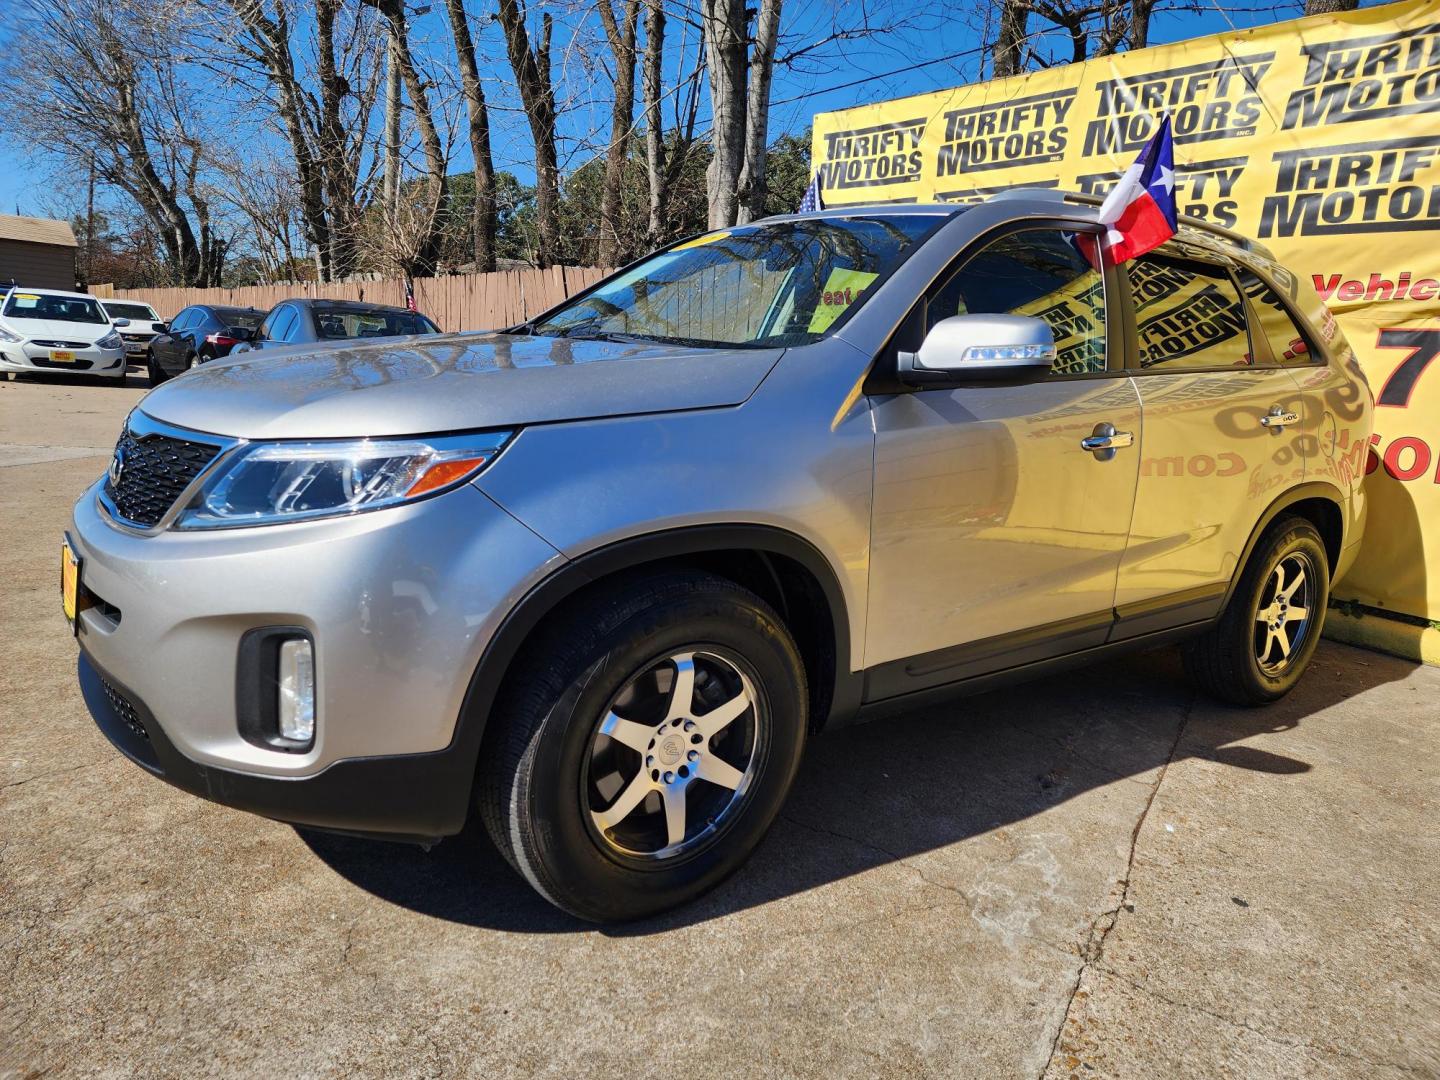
[{"x": 1319, "y": 137}]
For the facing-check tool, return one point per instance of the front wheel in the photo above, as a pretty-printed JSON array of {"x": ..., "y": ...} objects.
[
  {"x": 1268, "y": 632},
  {"x": 645, "y": 745}
]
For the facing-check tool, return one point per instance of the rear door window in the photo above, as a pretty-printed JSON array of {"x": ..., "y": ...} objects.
[
  {"x": 1271, "y": 327},
  {"x": 1188, "y": 315},
  {"x": 284, "y": 328}
]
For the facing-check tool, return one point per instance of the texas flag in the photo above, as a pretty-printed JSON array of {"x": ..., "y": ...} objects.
[{"x": 1139, "y": 213}]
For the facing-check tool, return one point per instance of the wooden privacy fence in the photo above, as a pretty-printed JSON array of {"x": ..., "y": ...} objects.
[{"x": 457, "y": 302}]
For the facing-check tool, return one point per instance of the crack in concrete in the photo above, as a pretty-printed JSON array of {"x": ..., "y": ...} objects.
[
  {"x": 896, "y": 857},
  {"x": 1269, "y": 1036},
  {"x": 55, "y": 772},
  {"x": 1094, "y": 947},
  {"x": 893, "y": 856},
  {"x": 1114, "y": 774}
]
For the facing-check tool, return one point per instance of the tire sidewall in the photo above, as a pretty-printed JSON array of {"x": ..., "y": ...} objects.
[
  {"x": 573, "y": 865},
  {"x": 1288, "y": 541}
]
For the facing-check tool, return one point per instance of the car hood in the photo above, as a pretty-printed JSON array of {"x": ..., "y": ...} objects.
[
  {"x": 57, "y": 329},
  {"x": 455, "y": 382}
]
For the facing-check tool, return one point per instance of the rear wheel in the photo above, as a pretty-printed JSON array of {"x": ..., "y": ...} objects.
[
  {"x": 1270, "y": 629},
  {"x": 644, "y": 745}
]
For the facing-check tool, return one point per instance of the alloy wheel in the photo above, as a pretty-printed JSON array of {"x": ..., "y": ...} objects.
[
  {"x": 1284, "y": 616},
  {"x": 673, "y": 759}
]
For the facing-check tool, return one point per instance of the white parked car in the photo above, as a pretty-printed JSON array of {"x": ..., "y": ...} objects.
[
  {"x": 144, "y": 325},
  {"x": 48, "y": 330}
]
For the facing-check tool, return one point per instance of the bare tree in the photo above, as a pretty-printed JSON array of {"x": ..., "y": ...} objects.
[
  {"x": 665, "y": 157},
  {"x": 113, "y": 101},
  {"x": 531, "y": 66},
  {"x": 621, "y": 35},
  {"x": 740, "y": 78},
  {"x": 1329, "y": 7},
  {"x": 1140, "y": 12},
  {"x": 757, "y": 113},
  {"x": 1007, "y": 55},
  {"x": 327, "y": 132},
  {"x": 483, "y": 216},
  {"x": 416, "y": 248},
  {"x": 1090, "y": 27}
]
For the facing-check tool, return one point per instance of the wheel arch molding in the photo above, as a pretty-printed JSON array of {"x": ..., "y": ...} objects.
[
  {"x": 824, "y": 636},
  {"x": 1320, "y": 502}
]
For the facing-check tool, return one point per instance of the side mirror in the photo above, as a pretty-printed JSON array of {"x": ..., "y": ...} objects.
[
  {"x": 161, "y": 328},
  {"x": 120, "y": 322},
  {"x": 967, "y": 349},
  {"x": 239, "y": 333}
]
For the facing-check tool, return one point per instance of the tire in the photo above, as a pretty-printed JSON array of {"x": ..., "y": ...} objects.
[
  {"x": 1263, "y": 642},
  {"x": 560, "y": 771},
  {"x": 194, "y": 361},
  {"x": 154, "y": 370}
]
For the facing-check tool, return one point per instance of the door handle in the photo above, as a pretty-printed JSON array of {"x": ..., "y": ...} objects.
[
  {"x": 1105, "y": 440},
  {"x": 1279, "y": 418}
]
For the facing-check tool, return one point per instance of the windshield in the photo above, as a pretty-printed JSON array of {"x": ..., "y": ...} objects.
[
  {"x": 130, "y": 311},
  {"x": 777, "y": 284},
  {"x": 339, "y": 325},
  {"x": 76, "y": 309}
]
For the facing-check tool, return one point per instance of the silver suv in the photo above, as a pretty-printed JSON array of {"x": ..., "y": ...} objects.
[{"x": 601, "y": 575}]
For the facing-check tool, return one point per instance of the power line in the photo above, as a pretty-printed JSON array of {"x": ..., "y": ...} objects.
[{"x": 879, "y": 75}]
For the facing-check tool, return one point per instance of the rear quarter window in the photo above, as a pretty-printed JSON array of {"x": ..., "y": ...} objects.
[{"x": 1273, "y": 329}]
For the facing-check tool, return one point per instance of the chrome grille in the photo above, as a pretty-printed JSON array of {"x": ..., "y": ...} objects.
[
  {"x": 151, "y": 471},
  {"x": 60, "y": 344}
]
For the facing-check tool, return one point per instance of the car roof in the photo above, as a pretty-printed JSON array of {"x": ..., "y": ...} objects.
[
  {"x": 49, "y": 292},
  {"x": 349, "y": 305},
  {"x": 872, "y": 210}
]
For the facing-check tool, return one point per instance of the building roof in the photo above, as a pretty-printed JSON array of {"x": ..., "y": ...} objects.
[{"x": 37, "y": 230}]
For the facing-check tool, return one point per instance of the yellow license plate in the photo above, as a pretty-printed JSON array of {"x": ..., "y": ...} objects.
[
  {"x": 69, "y": 581},
  {"x": 64, "y": 356}
]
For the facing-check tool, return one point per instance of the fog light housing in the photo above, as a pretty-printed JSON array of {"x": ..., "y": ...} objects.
[
  {"x": 275, "y": 689},
  {"x": 296, "y": 705}
]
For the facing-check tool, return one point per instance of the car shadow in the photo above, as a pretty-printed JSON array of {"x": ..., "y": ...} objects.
[{"x": 887, "y": 790}]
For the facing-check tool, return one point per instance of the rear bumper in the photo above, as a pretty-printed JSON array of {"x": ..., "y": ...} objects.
[{"x": 414, "y": 797}]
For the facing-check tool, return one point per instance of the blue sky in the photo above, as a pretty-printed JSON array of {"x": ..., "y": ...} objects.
[{"x": 918, "y": 58}]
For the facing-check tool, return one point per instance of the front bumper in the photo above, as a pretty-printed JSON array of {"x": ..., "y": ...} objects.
[
  {"x": 415, "y": 797},
  {"x": 91, "y": 361},
  {"x": 400, "y": 604}
]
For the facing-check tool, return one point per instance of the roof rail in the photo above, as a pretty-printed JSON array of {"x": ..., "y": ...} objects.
[{"x": 1053, "y": 195}]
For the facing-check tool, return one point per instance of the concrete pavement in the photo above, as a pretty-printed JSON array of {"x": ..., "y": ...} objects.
[{"x": 1096, "y": 875}]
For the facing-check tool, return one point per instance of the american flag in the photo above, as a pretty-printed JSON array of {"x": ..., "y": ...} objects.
[{"x": 811, "y": 200}]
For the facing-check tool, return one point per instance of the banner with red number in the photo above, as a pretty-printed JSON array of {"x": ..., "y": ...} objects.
[{"x": 1320, "y": 137}]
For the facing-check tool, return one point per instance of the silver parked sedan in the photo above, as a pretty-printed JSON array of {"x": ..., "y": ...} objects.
[{"x": 602, "y": 575}]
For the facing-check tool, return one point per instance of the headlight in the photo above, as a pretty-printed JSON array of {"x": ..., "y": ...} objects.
[
  {"x": 9, "y": 335},
  {"x": 273, "y": 482},
  {"x": 112, "y": 340}
]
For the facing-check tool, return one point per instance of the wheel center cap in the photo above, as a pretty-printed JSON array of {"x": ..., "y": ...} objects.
[{"x": 671, "y": 749}]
